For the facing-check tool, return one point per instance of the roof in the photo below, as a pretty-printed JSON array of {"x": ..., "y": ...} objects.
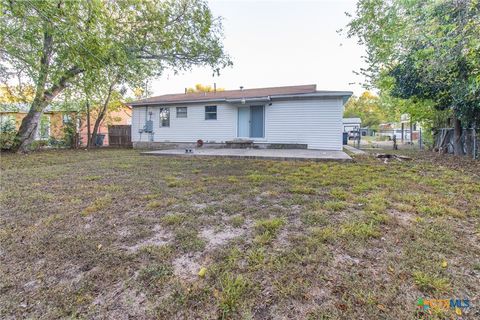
[
  {"x": 352, "y": 120},
  {"x": 232, "y": 96}
]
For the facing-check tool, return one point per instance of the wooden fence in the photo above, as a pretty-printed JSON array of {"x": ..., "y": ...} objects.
[
  {"x": 470, "y": 140},
  {"x": 120, "y": 136}
]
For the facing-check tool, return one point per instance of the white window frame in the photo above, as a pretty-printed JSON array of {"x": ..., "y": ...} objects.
[
  {"x": 183, "y": 114},
  {"x": 211, "y": 112},
  {"x": 160, "y": 117}
]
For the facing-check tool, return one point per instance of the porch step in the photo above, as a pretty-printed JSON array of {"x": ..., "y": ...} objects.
[{"x": 239, "y": 144}]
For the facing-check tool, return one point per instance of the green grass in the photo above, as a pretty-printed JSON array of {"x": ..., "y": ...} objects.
[
  {"x": 431, "y": 283},
  {"x": 334, "y": 205},
  {"x": 110, "y": 233},
  {"x": 233, "y": 288},
  {"x": 97, "y": 205},
  {"x": 267, "y": 229},
  {"x": 187, "y": 240}
]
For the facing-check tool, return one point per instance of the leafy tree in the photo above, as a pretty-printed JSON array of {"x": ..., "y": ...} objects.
[
  {"x": 366, "y": 107},
  {"x": 424, "y": 51},
  {"x": 16, "y": 94},
  {"x": 203, "y": 88},
  {"x": 51, "y": 43}
]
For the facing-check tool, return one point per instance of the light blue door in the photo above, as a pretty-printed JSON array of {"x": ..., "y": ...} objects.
[
  {"x": 244, "y": 122},
  {"x": 256, "y": 121}
]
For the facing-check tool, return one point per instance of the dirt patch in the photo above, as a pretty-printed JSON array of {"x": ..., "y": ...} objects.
[
  {"x": 122, "y": 303},
  {"x": 161, "y": 237},
  {"x": 403, "y": 218},
  {"x": 219, "y": 238},
  {"x": 345, "y": 260},
  {"x": 187, "y": 266}
]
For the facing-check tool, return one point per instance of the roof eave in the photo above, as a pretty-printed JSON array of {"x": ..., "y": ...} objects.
[{"x": 345, "y": 95}]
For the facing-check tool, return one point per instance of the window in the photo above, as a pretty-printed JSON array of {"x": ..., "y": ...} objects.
[
  {"x": 43, "y": 128},
  {"x": 211, "y": 113},
  {"x": 66, "y": 118},
  {"x": 181, "y": 112},
  {"x": 164, "y": 117}
]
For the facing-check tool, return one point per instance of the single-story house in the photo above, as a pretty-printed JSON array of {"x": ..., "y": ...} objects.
[
  {"x": 293, "y": 116},
  {"x": 351, "y": 124},
  {"x": 53, "y": 121}
]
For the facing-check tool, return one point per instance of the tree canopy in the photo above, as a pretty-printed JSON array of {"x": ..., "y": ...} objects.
[
  {"x": 203, "y": 88},
  {"x": 366, "y": 107},
  {"x": 50, "y": 44},
  {"x": 423, "y": 50}
]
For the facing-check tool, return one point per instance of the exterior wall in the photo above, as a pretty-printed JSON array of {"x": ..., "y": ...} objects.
[
  {"x": 317, "y": 123},
  {"x": 188, "y": 129},
  {"x": 56, "y": 122}
]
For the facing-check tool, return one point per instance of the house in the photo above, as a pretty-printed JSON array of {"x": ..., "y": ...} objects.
[
  {"x": 401, "y": 130},
  {"x": 351, "y": 124},
  {"x": 51, "y": 124},
  {"x": 53, "y": 121},
  {"x": 293, "y": 116}
]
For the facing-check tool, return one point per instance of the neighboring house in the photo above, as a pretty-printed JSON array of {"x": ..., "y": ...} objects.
[
  {"x": 51, "y": 123},
  {"x": 285, "y": 116},
  {"x": 115, "y": 117},
  {"x": 351, "y": 124},
  {"x": 401, "y": 130}
]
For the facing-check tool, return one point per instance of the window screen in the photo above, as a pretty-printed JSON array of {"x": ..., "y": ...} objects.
[
  {"x": 181, "y": 112},
  {"x": 211, "y": 113}
]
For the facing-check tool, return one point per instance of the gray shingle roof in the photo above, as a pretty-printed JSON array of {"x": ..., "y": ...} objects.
[{"x": 235, "y": 94}]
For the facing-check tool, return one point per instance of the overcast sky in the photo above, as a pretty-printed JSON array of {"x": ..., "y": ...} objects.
[{"x": 277, "y": 43}]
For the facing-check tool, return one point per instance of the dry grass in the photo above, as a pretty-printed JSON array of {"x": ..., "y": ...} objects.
[{"x": 112, "y": 234}]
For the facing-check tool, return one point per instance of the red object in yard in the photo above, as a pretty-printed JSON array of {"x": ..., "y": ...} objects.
[{"x": 199, "y": 142}]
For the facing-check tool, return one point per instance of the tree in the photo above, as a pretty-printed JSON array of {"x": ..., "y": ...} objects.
[
  {"x": 203, "y": 88},
  {"x": 51, "y": 43},
  {"x": 16, "y": 94},
  {"x": 103, "y": 95},
  {"x": 427, "y": 51},
  {"x": 366, "y": 107}
]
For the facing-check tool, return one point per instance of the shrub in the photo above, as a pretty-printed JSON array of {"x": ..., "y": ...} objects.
[{"x": 7, "y": 135}]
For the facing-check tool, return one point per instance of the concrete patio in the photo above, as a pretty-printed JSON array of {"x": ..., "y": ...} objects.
[{"x": 269, "y": 154}]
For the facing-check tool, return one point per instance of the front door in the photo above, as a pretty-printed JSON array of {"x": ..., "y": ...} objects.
[{"x": 251, "y": 122}]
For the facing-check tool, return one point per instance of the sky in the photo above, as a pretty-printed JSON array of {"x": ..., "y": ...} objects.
[{"x": 280, "y": 43}]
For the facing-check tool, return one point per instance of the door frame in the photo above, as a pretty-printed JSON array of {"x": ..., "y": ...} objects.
[{"x": 250, "y": 122}]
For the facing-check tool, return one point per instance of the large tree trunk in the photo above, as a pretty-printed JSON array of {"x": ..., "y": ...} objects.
[
  {"x": 101, "y": 115},
  {"x": 457, "y": 137},
  {"x": 89, "y": 133},
  {"x": 28, "y": 128}
]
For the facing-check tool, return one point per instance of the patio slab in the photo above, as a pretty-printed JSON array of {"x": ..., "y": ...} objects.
[
  {"x": 354, "y": 150},
  {"x": 270, "y": 154}
]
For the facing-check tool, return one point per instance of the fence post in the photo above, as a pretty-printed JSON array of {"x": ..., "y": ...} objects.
[
  {"x": 420, "y": 139},
  {"x": 359, "y": 136},
  {"x": 474, "y": 143}
]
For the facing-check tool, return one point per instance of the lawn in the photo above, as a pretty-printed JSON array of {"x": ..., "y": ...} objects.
[{"x": 113, "y": 234}]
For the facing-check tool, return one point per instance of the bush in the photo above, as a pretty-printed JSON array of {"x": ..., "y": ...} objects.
[
  {"x": 7, "y": 135},
  {"x": 69, "y": 134}
]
